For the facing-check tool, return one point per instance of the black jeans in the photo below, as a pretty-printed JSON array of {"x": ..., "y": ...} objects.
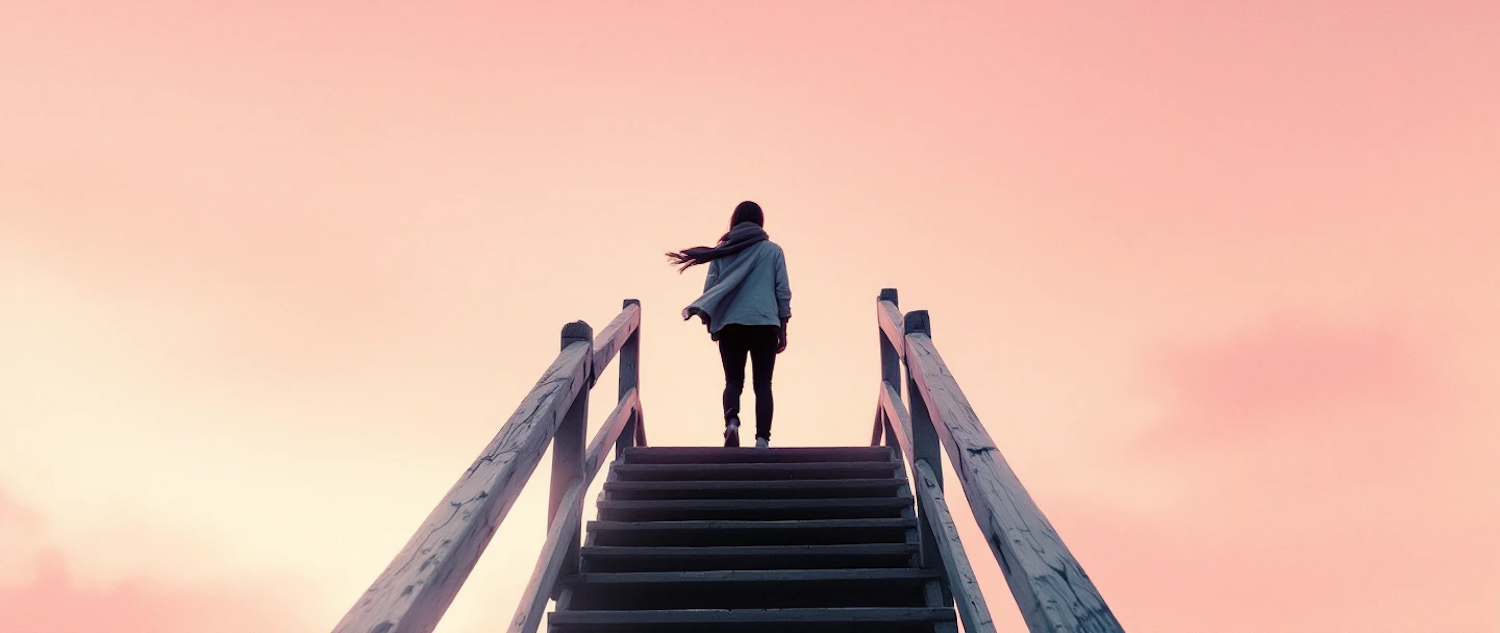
[{"x": 759, "y": 342}]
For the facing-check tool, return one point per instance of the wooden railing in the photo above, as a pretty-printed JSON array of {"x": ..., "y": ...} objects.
[
  {"x": 1050, "y": 587},
  {"x": 414, "y": 591}
]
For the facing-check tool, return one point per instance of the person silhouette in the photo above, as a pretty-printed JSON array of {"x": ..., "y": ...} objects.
[{"x": 745, "y": 305}]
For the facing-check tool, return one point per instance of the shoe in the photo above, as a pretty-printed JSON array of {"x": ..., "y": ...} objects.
[
  {"x": 732, "y": 433},
  {"x": 761, "y": 442}
]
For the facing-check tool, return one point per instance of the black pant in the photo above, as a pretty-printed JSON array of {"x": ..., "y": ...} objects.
[{"x": 760, "y": 342}]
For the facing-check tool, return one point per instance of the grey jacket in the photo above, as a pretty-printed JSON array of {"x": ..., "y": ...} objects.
[{"x": 748, "y": 288}]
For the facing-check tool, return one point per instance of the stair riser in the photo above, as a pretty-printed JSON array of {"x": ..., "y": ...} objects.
[
  {"x": 749, "y": 536},
  {"x": 703, "y": 455},
  {"x": 824, "y": 489},
  {"x": 783, "y": 595},
  {"x": 748, "y": 514},
  {"x": 806, "y": 627},
  {"x": 704, "y": 563},
  {"x": 753, "y": 472}
]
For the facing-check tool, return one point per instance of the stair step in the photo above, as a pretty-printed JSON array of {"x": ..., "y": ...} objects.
[
  {"x": 784, "y": 489},
  {"x": 752, "y": 509},
  {"x": 716, "y": 455},
  {"x": 845, "y": 556},
  {"x": 756, "y": 471},
  {"x": 704, "y": 533},
  {"x": 738, "y": 589},
  {"x": 879, "y": 620}
]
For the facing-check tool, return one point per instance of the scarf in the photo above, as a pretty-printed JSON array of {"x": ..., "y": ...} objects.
[{"x": 740, "y": 237}]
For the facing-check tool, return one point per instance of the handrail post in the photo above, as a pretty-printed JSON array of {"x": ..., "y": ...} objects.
[
  {"x": 890, "y": 364},
  {"x": 570, "y": 443},
  {"x": 925, "y": 446},
  {"x": 630, "y": 378}
]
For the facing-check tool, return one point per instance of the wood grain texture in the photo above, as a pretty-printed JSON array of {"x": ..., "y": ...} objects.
[
  {"x": 569, "y": 443},
  {"x": 615, "y": 335},
  {"x": 630, "y": 375},
  {"x": 555, "y": 552},
  {"x": 897, "y": 418},
  {"x": 891, "y": 324},
  {"x": 710, "y": 617},
  {"x": 1051, "y": 588},
  {"x": 419, "y": 584},
  {"x": 607, "y": 435},
  {"x": 890, "y": 356},
  {"x": 962, "y": 582}
]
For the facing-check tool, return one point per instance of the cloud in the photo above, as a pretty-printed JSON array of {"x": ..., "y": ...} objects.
[
  {"x": 1290, "y": 371},
  {"x": 53, "y": 598},
  {"x": 1319, "y": 473},
  {"x": 53, "y": 601}
]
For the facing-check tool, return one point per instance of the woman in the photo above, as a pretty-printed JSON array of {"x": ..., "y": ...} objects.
[{"x": 746, "y": 304}]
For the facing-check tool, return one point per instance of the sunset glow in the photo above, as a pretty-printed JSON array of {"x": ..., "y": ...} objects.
[{"x": 1221, "y": 279}]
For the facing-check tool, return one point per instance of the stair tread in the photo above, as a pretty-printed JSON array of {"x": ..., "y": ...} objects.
[
  {"x": 751, "y": 471},
  {"x": 750, "y": 550},
  {"x": 795, "y": 524},
  {"x": 719, "y": 455},
  {"x": 729, "y": 616},
  {"x": 753, "y": 504},
  {"x": 754, "y": 576},
  {"x": 764, "y": 488}
]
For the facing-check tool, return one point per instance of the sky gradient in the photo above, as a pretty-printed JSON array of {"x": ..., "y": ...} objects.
[{"x": 1221, "y": 279}]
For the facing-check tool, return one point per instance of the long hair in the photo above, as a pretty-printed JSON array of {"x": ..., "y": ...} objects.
[{"x": 747, "y": 211}]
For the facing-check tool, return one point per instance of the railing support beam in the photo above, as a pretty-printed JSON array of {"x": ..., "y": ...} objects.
[
  {"x": 630, "y": 378},
  {"x": 568, "y": 447},
  {"x": 926, "y": 446}
]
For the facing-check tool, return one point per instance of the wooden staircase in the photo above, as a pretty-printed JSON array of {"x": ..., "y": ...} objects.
[
  {"x": 744, "y": 539},
  {"x": 783, "y": 540}
]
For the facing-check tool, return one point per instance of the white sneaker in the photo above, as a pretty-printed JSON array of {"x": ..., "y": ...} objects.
[{"x": 761, "y": 442}]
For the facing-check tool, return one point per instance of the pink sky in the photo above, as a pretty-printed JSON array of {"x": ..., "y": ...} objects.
[{"x": 1221, "y": 281}]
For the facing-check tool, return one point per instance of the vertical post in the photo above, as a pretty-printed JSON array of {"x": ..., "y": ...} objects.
[
  {"x": 630, "y": 378},
  {"x": 925, "y": 446},
  {"x": 570, "y": 444},
  {"x": 890, "y": 364}
]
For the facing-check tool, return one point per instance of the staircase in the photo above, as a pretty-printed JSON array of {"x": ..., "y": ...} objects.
[
  {"x": 784, "y": 540},
  {"x": 741, "y": 539}
]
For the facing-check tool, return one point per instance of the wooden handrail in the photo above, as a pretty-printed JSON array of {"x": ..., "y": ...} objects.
[
  {"x": 1050, "y": 587},
  {"x": 957, "y": 573},
  {"x": 960, "y": 575},
  {"x": 416, "y": 588},
  {"x": 615, "y": 335},
  {"x": 564, "y": 529}
]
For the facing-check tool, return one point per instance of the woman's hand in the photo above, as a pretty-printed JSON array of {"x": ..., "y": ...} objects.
[{"x": 781, "y": 341}]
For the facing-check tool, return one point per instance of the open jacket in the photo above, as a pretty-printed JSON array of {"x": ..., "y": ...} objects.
[{"x": 747, "y": 288}]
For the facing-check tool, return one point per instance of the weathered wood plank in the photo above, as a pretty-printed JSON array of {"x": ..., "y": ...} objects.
[
  {"x": 607, "y": 435},
  {"x": 1054, "y": 593},
  {"x": 751, "y": 551},
  {"x": 962, "y": 582},
  {"x": 569, "y": 445},
  {"x": 721, "y": 455},
  {"x": 812, "y": 470},
  {"x": 615, "y": 335},
  {"x": 755, "y": 576},
  {"x": 897, "y": 418},
  {"x": 890, "y": 356},
  {"x": 562, "y": 532},
  {"x": 779, "y": 489},
  {"x": 803, "y": 524},
  {"x": 630, "y": 376},
  {"x": 421, "y": 581},
  {"x": 712, "y": 617},
  {"x": 891, "y": 324}
]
